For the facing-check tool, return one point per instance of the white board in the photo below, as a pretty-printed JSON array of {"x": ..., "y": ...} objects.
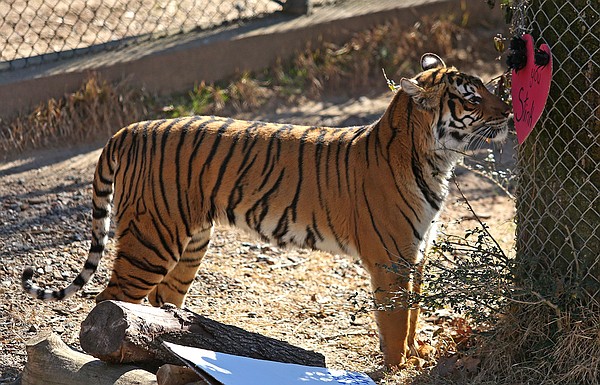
[{"x": 235, "y": 370}]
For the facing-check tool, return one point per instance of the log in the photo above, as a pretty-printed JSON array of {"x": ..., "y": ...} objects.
[
  {"x": 51, "y": 362},
  {"x": 121, "y": 332},
  {"x": 178, "y": 375}
]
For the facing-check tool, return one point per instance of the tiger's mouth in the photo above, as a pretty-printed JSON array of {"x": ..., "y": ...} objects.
[{"x": 494, "y": 131}]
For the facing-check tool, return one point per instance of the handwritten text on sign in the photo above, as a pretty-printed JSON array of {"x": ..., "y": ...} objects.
[{"x": 530, "y": 88}]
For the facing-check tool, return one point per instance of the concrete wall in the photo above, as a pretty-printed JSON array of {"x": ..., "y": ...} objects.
[{"x": 175, "y": 63}]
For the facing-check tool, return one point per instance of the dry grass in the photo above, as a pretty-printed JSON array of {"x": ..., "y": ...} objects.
[
  {"x": 534, "y": 345},
  {"x": 391, "y": 47},
  {"x": 348, "y": 68},
  {"x": 94, "y": 111}
]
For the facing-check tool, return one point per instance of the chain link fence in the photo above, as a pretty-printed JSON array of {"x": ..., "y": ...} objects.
[
  {"x": 37, "y": 31},
  {"x": 558, "y": 233}
]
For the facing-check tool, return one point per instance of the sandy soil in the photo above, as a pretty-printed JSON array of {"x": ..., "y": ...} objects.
[{"x": 314, "y": 300}]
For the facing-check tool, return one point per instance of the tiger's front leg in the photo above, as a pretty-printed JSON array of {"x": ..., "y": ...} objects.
[{"x": 396, "y": 322}]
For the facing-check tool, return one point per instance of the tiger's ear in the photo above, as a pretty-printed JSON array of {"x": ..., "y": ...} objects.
[
  {"x": 411, "y": 87},
  {"x": 431, "y": 61},
  {"x": 427, "y": 99}
]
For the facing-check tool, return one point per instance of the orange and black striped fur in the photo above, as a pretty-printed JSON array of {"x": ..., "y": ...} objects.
[{"x": 371, "y": 191}]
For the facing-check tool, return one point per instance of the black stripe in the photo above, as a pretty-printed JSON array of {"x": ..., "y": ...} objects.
[
  {"x": 399, "y": 253},
  {"x": 173, "y": 287},
  {"x": 137, "y": 174},
  {"x": 371, "y": 216},
  {"x": 316, "y": 227},
  {"x": 248, "y": 134},
  {"x": 146, "y": 284},
  {"x": 161, "y": 180},
  {"x": 196, "y": 249},
  {"x": 143, "y": 264},
  {"x": 107, "y": 155},
  {"x": 412, "y": 226},
  {"x": 135, "y": 231},
  {"x": 223, "y": 167},
  {"x": 100, "y": 174},
  {"x": 372, "y": 132},
  {"x": 199, "y": 136},
  {"x": 399, "y": 191},
  {"x": 310, "y": 240},
  {"x": 319, "y": 143},
  {"x": 271, "y": 160},
  {"x": 140, "y": 166},
  {"x": 282, "y": 226},
  {"x": 181, "y": 195},
  {"x": 119, "y": 146},
  {"x": 125, "y": 166},
  {"x": 336, "y": 236},
  {"x": 102, "y": 193},
  {"x": 208, "y": 161},
  {"x": 79, "y": 281},
  {"x": 181, "y": 282},
  {"x": 90, "y": 265},
  {"x": 350, "y": 144},
  {"x": 158, "y": 298},
  {"x": 191, "y": 262},
  {"x": 430, "y": 196},
  {"x": 340, "y": 141},
  {"x": 262, "y": 204},
  {"x": 294, "y": 204},
  {"x": 96, "y": 248},
  {"x": 237, "y": 193},
  {"x": 99, "y": 213}
]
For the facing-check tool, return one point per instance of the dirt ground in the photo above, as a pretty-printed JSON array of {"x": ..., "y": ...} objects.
[{"x": 310, "y": 299}]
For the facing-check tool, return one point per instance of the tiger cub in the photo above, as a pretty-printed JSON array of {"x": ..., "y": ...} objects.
[{"x": 369, "y": 191}]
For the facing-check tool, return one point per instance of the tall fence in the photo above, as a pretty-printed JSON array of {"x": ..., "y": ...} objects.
[
  {"x": 38, "y": 31},
  {"x": 558, "y": 232}
]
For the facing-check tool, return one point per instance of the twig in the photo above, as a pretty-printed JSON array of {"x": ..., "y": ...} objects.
[
  {"x": 357, "y": 333},
  {"x": 483, "y": 226},
  {"x": 494, "y": 181},
  {"x": 289, "y": 264}
]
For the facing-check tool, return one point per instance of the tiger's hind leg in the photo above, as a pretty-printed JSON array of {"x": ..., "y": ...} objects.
[
  {"x": 146, "y": 253},
  {"x": 176, "y": 283}
]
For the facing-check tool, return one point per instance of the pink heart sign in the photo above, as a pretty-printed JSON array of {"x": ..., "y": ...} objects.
[{"x": 530, "y": 88}]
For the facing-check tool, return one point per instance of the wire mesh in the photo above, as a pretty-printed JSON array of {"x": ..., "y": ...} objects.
[
  {"x": 35, "y": 31},
  {"x": 558, "y": 232}
]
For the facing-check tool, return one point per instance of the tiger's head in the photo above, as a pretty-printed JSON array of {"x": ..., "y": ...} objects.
[{"x": 467, "y": 113}]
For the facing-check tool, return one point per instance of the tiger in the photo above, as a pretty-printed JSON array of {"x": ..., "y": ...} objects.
[{"x": 373, "y": 192}]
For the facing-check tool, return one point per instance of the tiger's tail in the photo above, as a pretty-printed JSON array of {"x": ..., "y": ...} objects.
[{"x": 103, "y": 189}]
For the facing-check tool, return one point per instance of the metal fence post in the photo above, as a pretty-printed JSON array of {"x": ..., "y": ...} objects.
[{"x": 297, "y": 7}]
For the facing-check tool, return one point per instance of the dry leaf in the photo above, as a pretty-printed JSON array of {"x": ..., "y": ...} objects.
[
  {"x": 469, "y": 364},
  {"x": 446, "y": 365}
]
